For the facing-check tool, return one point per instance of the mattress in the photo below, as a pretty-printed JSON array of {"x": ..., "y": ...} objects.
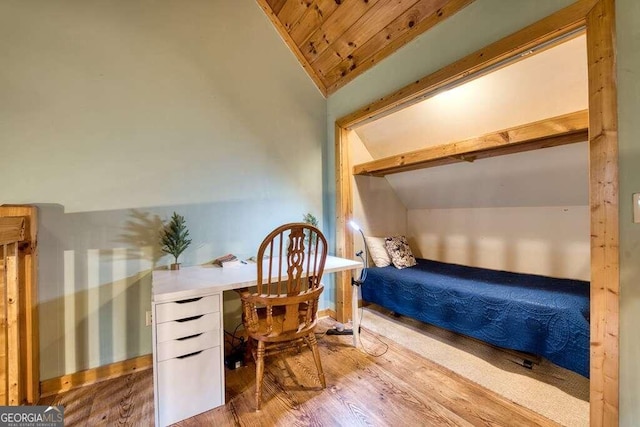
[{"x": 536, "y": 314}]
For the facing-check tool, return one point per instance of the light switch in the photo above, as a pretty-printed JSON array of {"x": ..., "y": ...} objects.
[{"x": 636, "y": 207}]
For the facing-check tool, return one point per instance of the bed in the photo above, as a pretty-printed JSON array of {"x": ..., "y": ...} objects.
[{"x": 545, "y": 316}]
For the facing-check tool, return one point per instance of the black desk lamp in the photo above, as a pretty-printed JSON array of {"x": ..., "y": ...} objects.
[
  {"x": 365, "y": 261},
  {"x": 340, "y": 329}
]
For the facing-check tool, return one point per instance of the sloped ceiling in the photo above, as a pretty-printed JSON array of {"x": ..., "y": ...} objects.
[
  {"x": 557, "y": 176},
  {"x": 337, "y": 40},
  {"x": 544, "y": 85}
]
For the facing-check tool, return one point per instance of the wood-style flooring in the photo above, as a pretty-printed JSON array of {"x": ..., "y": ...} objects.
[{"x": 396, "y": 388}]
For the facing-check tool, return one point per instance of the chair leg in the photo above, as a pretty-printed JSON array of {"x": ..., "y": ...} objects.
[
  {"x": 313, "y": 344},
  {"x": 259, "y": 373}
]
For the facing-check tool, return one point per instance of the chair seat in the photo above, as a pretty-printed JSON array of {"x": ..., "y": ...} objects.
[{"x": 277, "y": 319}]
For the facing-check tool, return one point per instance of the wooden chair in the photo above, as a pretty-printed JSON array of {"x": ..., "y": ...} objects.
[{"x": 281, "y": 315}]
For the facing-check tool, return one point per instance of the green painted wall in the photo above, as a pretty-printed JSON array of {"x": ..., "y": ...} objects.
[
  {"x": 628, "y": 45},
  {"x": 115, "y": 114}
]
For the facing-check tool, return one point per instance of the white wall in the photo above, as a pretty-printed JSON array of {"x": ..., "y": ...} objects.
[
  {"x": 147, "y": 103},
  {"x": 542, "y": 85},
  {"x": 114, "y": 115},
  {"x": 554, "y": 176},
  {"x": 376, "y": 207},
  {"x": 550, "y": 241}
]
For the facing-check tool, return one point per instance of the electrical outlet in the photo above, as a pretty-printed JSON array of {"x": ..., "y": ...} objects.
[
  {"x": 148, "y": 318},
  {"x": 636, "y": 207}
]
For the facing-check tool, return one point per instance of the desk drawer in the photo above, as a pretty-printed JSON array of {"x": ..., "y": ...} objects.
[
  {"x": 189, "y": 386},
  {"x": 188, "y": 345},
  {"x": 168, "y": 311},
  {"x": 189, "y": 326}
]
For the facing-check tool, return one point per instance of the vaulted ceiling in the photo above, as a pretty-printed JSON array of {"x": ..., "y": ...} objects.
[{"x": 337, "y": 40}]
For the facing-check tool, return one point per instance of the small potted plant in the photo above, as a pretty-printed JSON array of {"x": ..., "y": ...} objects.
[
  {"x": 310, "y": 219},
  {"x": 174, "y": 238}
]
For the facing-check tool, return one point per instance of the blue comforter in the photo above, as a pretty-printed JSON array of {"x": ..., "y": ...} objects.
[{"x": 536, "y": 314}]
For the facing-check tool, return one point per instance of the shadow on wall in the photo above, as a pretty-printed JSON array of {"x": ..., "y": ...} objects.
[
  {"x": 143, "y": 230},
  {"x": 549, "y": 241},
  {"x": 382, "y": 212},
  {"x": 94, "y": 269},
  {"x": 99, "y": 326}
]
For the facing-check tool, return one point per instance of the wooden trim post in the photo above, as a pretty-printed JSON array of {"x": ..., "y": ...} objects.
[
  {"x": 12, "y": 337},
  {"x": 344, "y": 211},
  {"x": 603, "y": 195},
  {"x": 27, "y": 262}
]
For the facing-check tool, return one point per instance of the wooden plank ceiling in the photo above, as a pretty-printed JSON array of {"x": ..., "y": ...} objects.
[{"x": 337, "y": 40}]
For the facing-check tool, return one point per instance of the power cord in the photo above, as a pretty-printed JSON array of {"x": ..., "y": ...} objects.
[
  {"x": 235, "y": 357},
  {"x": 386, "y": 346}
]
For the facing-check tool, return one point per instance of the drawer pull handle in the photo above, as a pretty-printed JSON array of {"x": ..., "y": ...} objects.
[
  {"x": 195, "y": 353},
  {"x": 188, "y": 319},
  {"x": 189, "y": 337},
  {"x": 186, "y": 301}
]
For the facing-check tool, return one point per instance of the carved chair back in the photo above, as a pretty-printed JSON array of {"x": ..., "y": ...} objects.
[{"x": 290, "y": 265}]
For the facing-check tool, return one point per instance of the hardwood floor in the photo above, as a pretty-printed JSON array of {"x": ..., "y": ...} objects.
[{"x": 397, "y": 388}]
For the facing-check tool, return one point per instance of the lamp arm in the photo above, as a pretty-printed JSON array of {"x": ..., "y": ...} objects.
[
  {"x": 366, "y": 251},
  {"x": 365, "y": 261}
]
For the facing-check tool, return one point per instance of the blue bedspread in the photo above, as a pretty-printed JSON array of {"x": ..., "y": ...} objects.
[{"x": 536, "y": 314}]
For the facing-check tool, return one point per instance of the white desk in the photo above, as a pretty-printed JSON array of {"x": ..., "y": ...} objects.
[{"x": 187, "y": 334}]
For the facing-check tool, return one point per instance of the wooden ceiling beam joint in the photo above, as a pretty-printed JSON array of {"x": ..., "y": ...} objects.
[{"x": 555, "y": 131}]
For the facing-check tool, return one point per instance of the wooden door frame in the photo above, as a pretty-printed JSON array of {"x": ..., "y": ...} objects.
[{"x": 598, "y": 18}]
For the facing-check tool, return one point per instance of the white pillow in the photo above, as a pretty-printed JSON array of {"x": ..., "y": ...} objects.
[{"x": 378, "y": 251}]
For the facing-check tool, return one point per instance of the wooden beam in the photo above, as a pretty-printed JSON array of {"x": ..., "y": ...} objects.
[
  {"x": 264, "y": 4},
  {"x": 561, "y": 22},
  {"x": 603, "y": 195},
  {"x": 28, "y": 275},
  {"x": 3, "y": 329},
  {"x": 344, "y": 210},
  {"x": 12, "y": 304},
  {"x": 12, "y": 230},
  {"x": 560, "y": 130}
]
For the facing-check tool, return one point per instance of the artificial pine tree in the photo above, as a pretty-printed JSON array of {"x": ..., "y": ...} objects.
[
  {"x": 173, "y": 238},
  {"x": 309, "y": 218}
]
